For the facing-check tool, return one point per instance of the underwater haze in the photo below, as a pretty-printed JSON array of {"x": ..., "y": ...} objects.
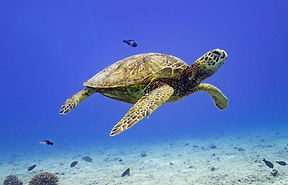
[{"x": 49, "y": 48}]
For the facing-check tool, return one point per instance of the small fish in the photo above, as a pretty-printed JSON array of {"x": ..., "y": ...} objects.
[
  {"x": 87, "y": 159},
  {"x": 31, "y": 167},
  {"x": 131, "y": 43},
  {"x": 74, "y": 163},
  {"x": 46, "y": 142},
  {"x": 268, "y": 163},
  {"x": 126, "y": 172},
  {"x": 283, "y": 163},
  {"x": 213, "y": 155}
]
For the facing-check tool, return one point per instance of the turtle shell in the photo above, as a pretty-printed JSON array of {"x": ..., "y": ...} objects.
[{"x": 137, "y": 70}]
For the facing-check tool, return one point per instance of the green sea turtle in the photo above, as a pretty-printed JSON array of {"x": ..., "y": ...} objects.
[{"x": 149, "y": 80}]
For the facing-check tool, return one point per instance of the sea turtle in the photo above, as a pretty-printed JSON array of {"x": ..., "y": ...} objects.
[{"x": 149, "y": 80}]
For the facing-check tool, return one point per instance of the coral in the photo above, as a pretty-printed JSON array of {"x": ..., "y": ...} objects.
[
  {"x": 44, "y": 178},
  {"x": 12, "y": 180}
]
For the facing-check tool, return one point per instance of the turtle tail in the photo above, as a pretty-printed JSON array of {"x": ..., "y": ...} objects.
[{"x": 72, "y": 102}]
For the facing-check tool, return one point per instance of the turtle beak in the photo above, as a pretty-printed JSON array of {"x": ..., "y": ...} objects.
[{"x": 223, "y": 54}]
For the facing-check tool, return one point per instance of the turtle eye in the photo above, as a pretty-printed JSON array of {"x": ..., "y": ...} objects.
[{"x": 216, "y": 53}]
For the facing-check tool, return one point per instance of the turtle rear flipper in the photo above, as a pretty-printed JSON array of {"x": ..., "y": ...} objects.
[
  {"x": 72, "y": 102},
  {"x": 143, "y": 108},
  {"x": 219, "y": 98}
]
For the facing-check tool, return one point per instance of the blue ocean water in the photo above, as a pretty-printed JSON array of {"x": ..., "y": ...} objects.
[{"x": 49, "y": 48}]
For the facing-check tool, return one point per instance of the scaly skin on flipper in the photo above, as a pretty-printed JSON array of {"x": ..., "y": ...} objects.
[
  {"x": 219, "y": 98},
  {"x": 72, "y": 102},
  {"x": 143, "y": 108}
]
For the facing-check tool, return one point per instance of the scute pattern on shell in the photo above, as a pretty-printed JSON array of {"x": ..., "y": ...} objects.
[{"x": 136, "y": 70}]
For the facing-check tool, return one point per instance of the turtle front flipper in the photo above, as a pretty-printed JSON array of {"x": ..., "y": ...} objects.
[
  {"x": 72, "y": 102},
  {"x": 219, "y": 98},
  {"x": 143, "y": 108}
]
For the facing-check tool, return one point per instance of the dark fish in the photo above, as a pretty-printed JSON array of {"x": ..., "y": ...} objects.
[
  {"x": 126, "y": 172},
  {"x": 283, "y": 163},
  {"x": 46, "y": 142},
  {"x": 31, "y": 167},
  {"x": 87, "y": 159},
  {"x": 143, "y": 154},
  {"x": 74, "y": 163},
  {"x": 131, "y": 43},
  {"x": 268, "y": 163}
]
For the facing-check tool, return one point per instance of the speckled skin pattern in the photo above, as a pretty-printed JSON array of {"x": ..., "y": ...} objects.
[
  {"x": 143, "y": 108},
  {"x": 72, "y": 102},
  {"x": 149, "y": 80}
]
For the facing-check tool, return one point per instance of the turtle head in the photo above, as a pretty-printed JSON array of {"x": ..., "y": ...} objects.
[
  {"x": 212, "y": 60},
  {"x": 208, "y": 64}
]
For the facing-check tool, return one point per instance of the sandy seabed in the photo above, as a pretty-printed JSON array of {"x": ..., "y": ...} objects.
[{"x": 206, "y": 161}]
